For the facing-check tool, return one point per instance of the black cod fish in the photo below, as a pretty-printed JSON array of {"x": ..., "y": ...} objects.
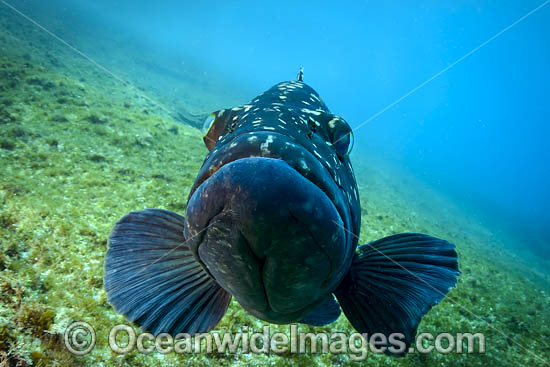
[{"x": 273, "y": 220}]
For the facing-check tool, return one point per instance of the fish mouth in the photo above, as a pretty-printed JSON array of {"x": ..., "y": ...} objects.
[{"x": 267, "y": 222}]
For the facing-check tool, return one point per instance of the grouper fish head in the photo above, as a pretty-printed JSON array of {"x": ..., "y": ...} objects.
[
  {"x": 274, "y": 212},
  {"x": 273, "y": 220}
]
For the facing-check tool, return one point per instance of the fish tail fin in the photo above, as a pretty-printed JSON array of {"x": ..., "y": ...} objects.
[
  {"x": 394, "y": 281},
  {"x": 152, "y": 277}
]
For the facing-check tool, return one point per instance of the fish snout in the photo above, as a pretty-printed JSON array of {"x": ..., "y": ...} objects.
[{"x": 267, "y": 235}]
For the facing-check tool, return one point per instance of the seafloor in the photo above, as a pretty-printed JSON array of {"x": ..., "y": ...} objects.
[{"x": 79, "y": 149}]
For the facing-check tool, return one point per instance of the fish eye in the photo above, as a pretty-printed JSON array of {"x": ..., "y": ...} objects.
[
  {"x": 208, "y": 122},
  {"x": 341, "y": 137},
  {"x": 343, "y": 142}
]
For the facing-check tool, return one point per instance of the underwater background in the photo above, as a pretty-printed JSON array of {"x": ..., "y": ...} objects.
[{"x": 101, "y": 105}]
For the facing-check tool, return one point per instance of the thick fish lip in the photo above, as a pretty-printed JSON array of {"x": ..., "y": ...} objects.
[
  {"x": 262, "y": 231},
  {"x": 269, "y": 144}
]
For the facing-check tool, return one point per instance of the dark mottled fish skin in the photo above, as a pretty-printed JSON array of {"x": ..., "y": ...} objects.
[
  {"x": 290, "y": 123},
  {"x": 292, "y": 109},
  {"x": 273, "y": 220}
]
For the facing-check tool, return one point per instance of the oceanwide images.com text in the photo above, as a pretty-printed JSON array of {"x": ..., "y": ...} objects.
[{"x": 80, "y": 339}]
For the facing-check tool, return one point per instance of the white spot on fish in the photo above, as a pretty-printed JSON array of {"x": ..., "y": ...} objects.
[
  {"x": 316, "y": 113},
  {"x": 332, "y": 123},
  {"x": 264, "y": 147}
]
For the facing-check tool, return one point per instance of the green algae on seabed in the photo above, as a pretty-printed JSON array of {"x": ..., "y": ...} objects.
[{"x": 79, "y": 150}]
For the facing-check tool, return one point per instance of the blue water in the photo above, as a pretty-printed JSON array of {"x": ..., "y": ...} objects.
[{"x": 478, "y": 132}]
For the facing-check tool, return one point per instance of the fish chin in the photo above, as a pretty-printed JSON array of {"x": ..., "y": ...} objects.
[{"x": 269, "y": 236}]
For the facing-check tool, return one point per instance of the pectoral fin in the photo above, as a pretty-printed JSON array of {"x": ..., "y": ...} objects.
[
  {"x": 152, "y": 277},
  {"x": 394, "y": 281}
]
